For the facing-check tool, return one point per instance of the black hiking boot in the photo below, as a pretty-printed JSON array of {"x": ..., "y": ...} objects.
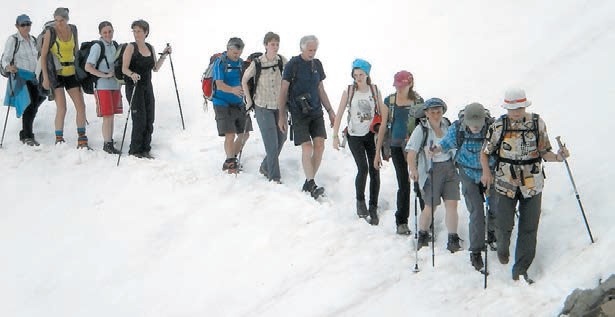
[
  {"x": 230, "y": 166},
  {"x": 423, "y": 239},
  {"x": 147, "y": 155},
  {"x": 109, "y": 148},
  {"x": 30, "y": 142},
  {"x": 311, "y": 187},
  {"x": 515, "y": 277},
  {"x": 477, "y": 260},
  {"x": 362, "y": 209},
  {"x": 373, "y": 215},
  {"x": 453, "y": 243},
  {"x": 503, "y": 257}
]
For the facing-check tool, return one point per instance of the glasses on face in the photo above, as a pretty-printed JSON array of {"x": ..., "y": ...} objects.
[{"x": 23, "y": 25}]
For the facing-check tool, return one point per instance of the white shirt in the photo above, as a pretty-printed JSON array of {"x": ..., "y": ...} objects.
[
  {"x": 26, "y": 56},
  {"x": 361, "y": 113}
]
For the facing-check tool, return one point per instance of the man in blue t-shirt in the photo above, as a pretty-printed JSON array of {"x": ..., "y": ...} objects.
[
  {"x": 232, "y": 120},
  {"x": 302, "y": 91}
]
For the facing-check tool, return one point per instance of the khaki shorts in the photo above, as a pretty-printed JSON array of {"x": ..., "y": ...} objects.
[{"x": 445, "y": 185}]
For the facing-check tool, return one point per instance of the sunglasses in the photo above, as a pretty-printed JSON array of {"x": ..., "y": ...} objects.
[{"x": 25, "y": 24}]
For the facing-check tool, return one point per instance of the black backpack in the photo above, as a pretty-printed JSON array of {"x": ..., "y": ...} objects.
[
  {"x": 255, "y": 57},
  {"x": 87, "y": 80}
]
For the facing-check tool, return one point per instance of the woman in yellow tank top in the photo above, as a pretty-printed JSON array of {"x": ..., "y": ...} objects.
[{"x": 63, "y": 48}]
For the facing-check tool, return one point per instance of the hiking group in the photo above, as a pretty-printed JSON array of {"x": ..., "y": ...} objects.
[
  {"x": 54, "y": 64},
  {"x": 497, "y": 161}
]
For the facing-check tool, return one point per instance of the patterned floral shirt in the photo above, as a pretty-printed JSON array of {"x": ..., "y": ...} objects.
[{"x": 520, "y": 152}]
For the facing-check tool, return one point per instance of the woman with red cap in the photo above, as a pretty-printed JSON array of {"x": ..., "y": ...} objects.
[
  {"x": 403, "y": 105},
  {"x": 363, "y": 102}
]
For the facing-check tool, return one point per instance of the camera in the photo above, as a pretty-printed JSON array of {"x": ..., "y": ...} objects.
[{"x": 303, "y": 101}]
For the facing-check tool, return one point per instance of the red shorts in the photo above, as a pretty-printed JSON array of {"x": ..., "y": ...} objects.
[{"x": 108, "y": 102}]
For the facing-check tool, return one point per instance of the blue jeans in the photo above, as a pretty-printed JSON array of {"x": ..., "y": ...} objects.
[{"x": 273, "y": 140}]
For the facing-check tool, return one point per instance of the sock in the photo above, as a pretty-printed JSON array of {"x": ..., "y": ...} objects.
[{"x": 59, "y": 135}]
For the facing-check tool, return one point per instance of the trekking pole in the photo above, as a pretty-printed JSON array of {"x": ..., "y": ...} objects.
[
  {"x": 576, "y": 193},
  {"x": 8, "y": 109},
  {"x": 433, "y": 236},
  {"x": 177, "y": 92},
  {"x": 134, "y": 91},
  {"x": 416, "y": 228},
  {"x": 485, "y": 195}
]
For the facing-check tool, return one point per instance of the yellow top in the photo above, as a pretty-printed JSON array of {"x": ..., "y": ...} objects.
[{"x": 65, "y": 52}]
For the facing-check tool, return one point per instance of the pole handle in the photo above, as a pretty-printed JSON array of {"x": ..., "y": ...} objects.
[{"x": 559, "y": 142}]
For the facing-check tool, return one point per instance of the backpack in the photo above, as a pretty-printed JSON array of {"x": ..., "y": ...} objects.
[
  {"x": 506, "y": 129},
  {"x": 422, "y": 122},
  {"x": 252, "y": 82},
  {"x": 3, "y": 71},
  {"x": 461, "y": 130},
  {"x": 414, "y": 115},
  {"x": 119, "y": 56},
  {"x": 87, "y": 80},
  {"x": 50, "y": 25},
  {"x": 208, "y": 85}
]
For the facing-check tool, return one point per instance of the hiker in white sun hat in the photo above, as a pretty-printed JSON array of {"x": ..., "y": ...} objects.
[
  {"x": 515, "y": 98},
  {"x": 520, "y": 143}
]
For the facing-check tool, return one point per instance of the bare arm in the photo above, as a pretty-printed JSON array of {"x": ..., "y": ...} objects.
[
  {"x": 44, "y": 55},
  {"x": 338, "y": 119},
  {"x": 126, "y": 58},
  {"x": 384, "y": 113},
  {"x": 282, "y": 98},
  {"x": 324, "y": 99}
]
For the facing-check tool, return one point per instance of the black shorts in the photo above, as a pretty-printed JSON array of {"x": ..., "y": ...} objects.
[
  {"x": 232, "y": 119},
  {"x": 306, "y": 128},
  {"x": 67, "y": 82}
]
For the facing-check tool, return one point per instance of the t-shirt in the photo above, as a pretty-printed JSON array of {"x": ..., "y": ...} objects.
[
  {"x": 362, "y": 110},
  {"x": 105, "y": 66},
  {"x": 230, "y": 72},
  {"x": 304, "y": 78}
]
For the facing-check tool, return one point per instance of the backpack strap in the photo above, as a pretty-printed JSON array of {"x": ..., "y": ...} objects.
[
  {"x": 258, "y": 67},
  {"x": 374, "y": 90},
  {"x": 15, "y": 48}
]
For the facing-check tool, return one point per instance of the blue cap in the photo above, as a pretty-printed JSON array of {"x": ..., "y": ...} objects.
[
  {"x": 362, "y": 64},
  {"x": 22, "y": 19},
  {"x": 435, "y": 102}
]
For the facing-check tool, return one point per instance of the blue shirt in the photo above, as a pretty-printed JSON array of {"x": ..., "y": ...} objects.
[
  {"x": 468, "y": 156},
  {"x": 304, "y": 78},
  {"x": 230, "y": 72},
  {"x": 104, "y": 66}
]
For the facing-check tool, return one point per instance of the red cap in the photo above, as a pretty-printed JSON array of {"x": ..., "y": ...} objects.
[{"x": 403, "y": 78}]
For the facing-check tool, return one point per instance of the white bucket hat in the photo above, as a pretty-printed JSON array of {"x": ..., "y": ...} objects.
[{"x": 514, "y": 98}]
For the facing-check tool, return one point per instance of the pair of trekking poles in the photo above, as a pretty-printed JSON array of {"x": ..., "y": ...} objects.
[
  {"x": 485, "y": 194},
  {"x": 132, "y": 98}
]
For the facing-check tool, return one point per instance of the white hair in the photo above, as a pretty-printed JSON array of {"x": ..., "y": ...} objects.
[{"x": 307, "y": 39}]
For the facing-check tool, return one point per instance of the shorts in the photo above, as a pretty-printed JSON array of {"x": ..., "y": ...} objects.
[
  {"x": 68, "y": 82},
  {"x": 305, "y": 129},
  {"x": 108, "y": 102},
  {"x": 232, "y": 119},
  {"x": 445, "y": 185}
]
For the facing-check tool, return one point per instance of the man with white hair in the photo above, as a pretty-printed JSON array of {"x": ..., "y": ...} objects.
[
  {"x": 302, "y": 91},
  {"x": 519, "y": 142}
]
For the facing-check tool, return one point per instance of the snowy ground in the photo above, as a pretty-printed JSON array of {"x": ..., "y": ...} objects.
[{"x": 176, "y": 237}]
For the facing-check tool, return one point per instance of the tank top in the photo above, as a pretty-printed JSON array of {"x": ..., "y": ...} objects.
[
  {"x": 142, "y": 65},
  {"x": 65, "y": 52}
]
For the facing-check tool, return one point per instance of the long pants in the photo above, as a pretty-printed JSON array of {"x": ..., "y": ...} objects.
[
  {"x": 363, "y": 149},
  {"x": 273, "y": 139},
  {"x": 403, "y": 185},
  {"x": 142, "y": 111},
  {"x": 474, "y": 202},
  {"x": 29, "y": 114},
  {"x": 529, "y": 215}
]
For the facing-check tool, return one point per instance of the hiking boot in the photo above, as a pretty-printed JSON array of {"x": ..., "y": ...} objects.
[
  {"x": 230, "y": 165},
  {"x": 137, "y": 155},
  {"x": 453, "y": 243},
  {"x": 477, "y": 260},
  {"x": 503, "y": 257},
  {"x": 403, "y": 229},
  {"x": 308, "y": 185},
  {"x": 82, "y": 143},
  {"x": 147, "y": 155},
  {"x": 515, "y": 277},
  {"x": 373, "y": 215},
  {"x": 362, "y": 209},
  {"x": 109, "y": 148},
  {"x": 60, "y": 139},
  {"x": 263, "y": 171},
  {"x": 30, "y": 142},
  {"x": 423, "y": 239}
]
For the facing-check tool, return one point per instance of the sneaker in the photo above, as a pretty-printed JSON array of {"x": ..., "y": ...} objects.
[
  {"x": 403, "y": 229},
  {"x": 109, "y": 148},
  {"x": 30, "y": 142},
  {"x": 477, "y": 260},
  {"x": 373, "y": 215},
  {"x": 453, "y": 243},
  {"x": 362, "y": 209},
  {"x": 423, "y": 239}
]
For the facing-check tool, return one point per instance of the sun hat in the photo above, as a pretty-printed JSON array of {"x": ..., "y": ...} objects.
[
  {"x": 474, "y": 115},
  {"x": 515, "y": 98},
  {"x": 435, "y": 102},
  {"x": 23, "y": 19},
  {"x": 403, "y": 78}
]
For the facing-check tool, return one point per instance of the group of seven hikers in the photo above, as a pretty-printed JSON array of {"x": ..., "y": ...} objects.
[{"x": 500, "y": 160}]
